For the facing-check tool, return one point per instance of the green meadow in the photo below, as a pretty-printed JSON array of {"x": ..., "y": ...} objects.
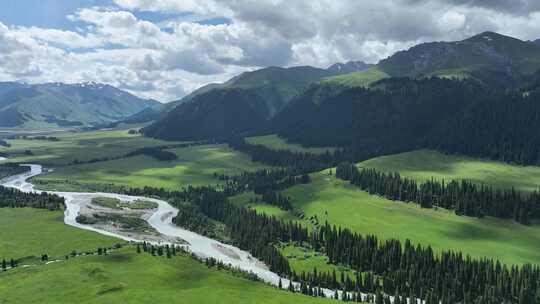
[
  {"x": 26, "y": 232},
  {"x": 303, "y": 259},
  {"x": 82, "y": 146},
  {"x": 127, "y": 277},
  {"x": 344, "y": 205},
  {"x": 358, "y": 79},
  {"x": 195, "y": 165},
  {"x": 275, "y": 142},
  {"x": 423, "y": 165}
]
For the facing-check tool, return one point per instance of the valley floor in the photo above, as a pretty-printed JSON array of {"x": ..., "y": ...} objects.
[{"x": 123, "y": 275}]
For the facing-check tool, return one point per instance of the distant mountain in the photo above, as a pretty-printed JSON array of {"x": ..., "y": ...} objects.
[
  {"x": 264, "y": 92},
  {"x": 492, "y": 58},
  {"x": 146, "y": 115},
  {"x": 349, "y": 67},
  {"x": 537, "y": 41},
  {"x": 58, "y": 104}
]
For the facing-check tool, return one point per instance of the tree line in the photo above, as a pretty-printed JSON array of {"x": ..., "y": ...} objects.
[
  {"x": 14, "y": 198},
  {"x": 11, "y": 169},
  {"x": 464, "y": 197}
]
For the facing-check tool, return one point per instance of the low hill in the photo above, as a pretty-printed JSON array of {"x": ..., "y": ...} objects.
[{"x": 58, "y": 104}]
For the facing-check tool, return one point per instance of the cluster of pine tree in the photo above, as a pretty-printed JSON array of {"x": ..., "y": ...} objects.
[
  {"x": 190, "y": 218},
  {"x": 14, "y": 198},
  {"x": 465, "y": 197},
  {"x": 278, "y": 200},
  {"x": 12, "y": 169},
  {"x": 301, "y": 161},
  {"x": 502, "y": 128},
  {"x": 12, "y": 264}
]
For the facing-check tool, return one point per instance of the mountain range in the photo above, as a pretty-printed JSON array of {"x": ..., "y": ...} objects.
[
  {"x": 275, "y": 99},
  {"x": 66, "y": 105},
  {"x": 260, "y": 100}
]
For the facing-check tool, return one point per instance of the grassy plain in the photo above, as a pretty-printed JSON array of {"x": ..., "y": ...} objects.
[
  {"x": 26, "y": 232},
  {"x": 195, "y": 166},
  {"x": 127, "y": 277},
  {"x": 344, "y": 205},
  {"x": 277, "y": 143},
  {"x": 82, "y": 146},
  {"x": 423, "y": 165}
]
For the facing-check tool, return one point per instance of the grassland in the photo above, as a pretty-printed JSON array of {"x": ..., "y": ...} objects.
[
  {"x": 344, "y": 205},
  {"x": 423, "y": 165},
  {"x": 358, "y": 79},
  {"x": 302, "y": 259},
  {"x": 32, "y": 232},
  {"x": 195, "y": 166},
  {"x": 82, "y": 146},
  {"x": 127, "y": 277},
  {"x": 277, "y": 143}
]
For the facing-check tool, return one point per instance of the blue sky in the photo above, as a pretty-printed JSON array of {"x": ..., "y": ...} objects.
[
  {"x": 166, "y": 48},
  {"x": 44, "y": 13}
]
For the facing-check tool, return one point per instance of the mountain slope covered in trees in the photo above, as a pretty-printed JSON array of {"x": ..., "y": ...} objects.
[
  {"x": 218, "y": 110},
  {"x": 57, "y": 104}
]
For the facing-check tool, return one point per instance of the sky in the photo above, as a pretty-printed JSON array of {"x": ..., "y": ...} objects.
[{"x": 164, "y": 49}]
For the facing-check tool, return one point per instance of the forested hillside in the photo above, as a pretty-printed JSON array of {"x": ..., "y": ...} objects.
[{"x": 397, "y": 113}]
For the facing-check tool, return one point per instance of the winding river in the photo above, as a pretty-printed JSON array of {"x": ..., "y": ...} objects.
[{"x": 161, "y": 221}]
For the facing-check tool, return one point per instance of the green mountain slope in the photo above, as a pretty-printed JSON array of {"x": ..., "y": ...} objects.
[
  {"x": 275, "y": 85},
  {"x": 358, "y": 78},
  {"x": 57, "y": 104}
]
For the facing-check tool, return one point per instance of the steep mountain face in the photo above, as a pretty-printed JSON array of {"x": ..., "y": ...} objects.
[
  {"x": 216, "y": 114},
  {"x": 490, "y": 57},
  {"x": 57, "y": 104}
]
